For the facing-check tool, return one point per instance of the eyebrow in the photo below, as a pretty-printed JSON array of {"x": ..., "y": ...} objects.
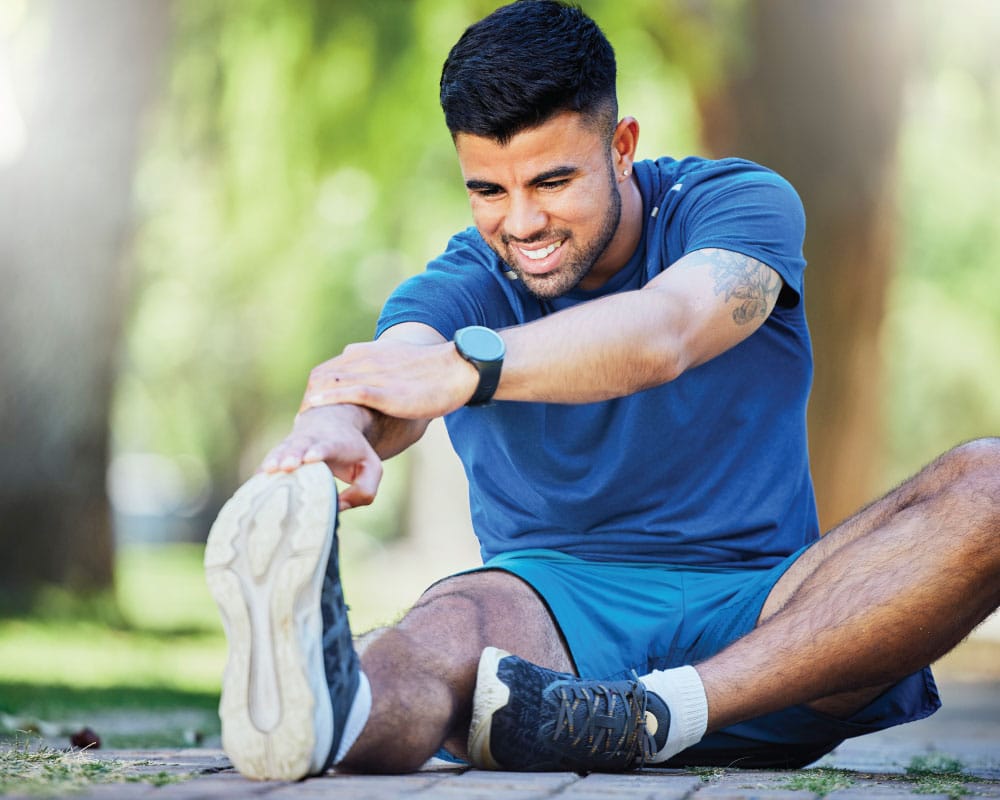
[{"x": 555, "y": 173}]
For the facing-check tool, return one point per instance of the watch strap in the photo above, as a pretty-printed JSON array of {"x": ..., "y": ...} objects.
[
  {"x": 489, "y": 379},
  {"x": 484, "y": 349}
]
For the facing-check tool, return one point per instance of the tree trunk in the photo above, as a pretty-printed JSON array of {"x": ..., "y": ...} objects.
[
  {"x": 65, "y": 220},
  {"x": 819, "y": 100}
]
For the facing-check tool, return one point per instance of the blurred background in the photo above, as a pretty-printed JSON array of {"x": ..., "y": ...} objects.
[{"x": 200, "y": 200}]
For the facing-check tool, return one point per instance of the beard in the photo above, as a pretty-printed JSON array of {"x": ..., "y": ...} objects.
[{"x": 577, "y": 263}]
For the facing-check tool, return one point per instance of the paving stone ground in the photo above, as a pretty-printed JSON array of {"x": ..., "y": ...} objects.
[{"x": 966, "y": 732}]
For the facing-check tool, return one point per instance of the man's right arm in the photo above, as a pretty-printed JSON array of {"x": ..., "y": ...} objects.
[{"x": 351, "y": 439}]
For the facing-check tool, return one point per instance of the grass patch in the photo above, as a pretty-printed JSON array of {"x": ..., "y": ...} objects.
[
  {"x": 51, "y": 700},
  {"x": 42, "y": 771},
  {"x": 123, "y": 717},
  {"x": 161, "y": 589},
  {"x": 937, "y": 773},
  {"x": 936, "y": 764},
  {"x": 167, "y": 634},
  {"x": 952, "y": 788},
  {"x": 820, "y": 781},
  {"x": 148, "y": 676},
  {"x": 89, "y": 655},
  {"x": 709, "y": 774}
]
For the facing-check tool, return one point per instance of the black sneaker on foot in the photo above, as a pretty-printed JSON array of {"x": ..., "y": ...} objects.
[
  {"x": 292, "y": 685},
  {"x": 525, "y": 717}
]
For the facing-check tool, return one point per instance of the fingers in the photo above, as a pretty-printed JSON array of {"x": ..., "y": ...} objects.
[
  {"x": 290, "y": 453},
  {"x": 359, "y": 493},
  {"x": 356, "y": 394},
  {"x": 330, "y": 436}
]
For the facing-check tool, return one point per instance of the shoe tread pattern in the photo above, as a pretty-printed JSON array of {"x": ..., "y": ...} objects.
[{"x": 265, "y": 562}]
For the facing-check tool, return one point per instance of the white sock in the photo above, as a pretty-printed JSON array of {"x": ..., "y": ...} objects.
[
  {"x": 357, "y": 717},
  {"x": 683, "y": 692}
]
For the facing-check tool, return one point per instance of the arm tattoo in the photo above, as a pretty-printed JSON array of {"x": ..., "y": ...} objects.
[{"x": 754, "y": 285}]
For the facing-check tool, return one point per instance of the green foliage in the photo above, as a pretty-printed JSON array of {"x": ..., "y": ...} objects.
[
  {"x": 942, "y": 335},
  {"x": 166, "y": 635},
  {"x": 291, "y": 184}
]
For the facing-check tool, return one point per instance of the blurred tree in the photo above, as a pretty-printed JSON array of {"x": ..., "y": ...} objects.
[
  {"x": 943, "y": 325},
  {"x": 816, "y": 93},
  {"x": 65, "y": 220},
  {"x": 301, "y": 171}
]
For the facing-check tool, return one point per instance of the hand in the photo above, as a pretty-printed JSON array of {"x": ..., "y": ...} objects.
[
  {"x": 333, "y": 434},
  {"x": 399, "y": 378}
]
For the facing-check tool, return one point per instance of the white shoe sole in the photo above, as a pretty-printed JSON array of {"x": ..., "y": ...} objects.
[
  {"x": 490, "y": 696},
  {"x": 265, "y": 562}
]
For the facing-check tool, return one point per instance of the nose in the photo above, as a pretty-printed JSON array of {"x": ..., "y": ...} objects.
[{"x": 525, "y": 217}]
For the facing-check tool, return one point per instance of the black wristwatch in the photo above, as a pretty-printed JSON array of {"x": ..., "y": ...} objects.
[{"x": 484, "y": 349}]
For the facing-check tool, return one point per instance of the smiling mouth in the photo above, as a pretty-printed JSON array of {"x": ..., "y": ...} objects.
[{"x": 539, "y": 254}]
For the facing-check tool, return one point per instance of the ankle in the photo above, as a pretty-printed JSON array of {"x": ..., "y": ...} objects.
[{"x": 683, "y": 693}]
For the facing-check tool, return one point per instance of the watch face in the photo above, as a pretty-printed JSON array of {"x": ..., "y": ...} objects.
[{"x": 479, "y": 343}]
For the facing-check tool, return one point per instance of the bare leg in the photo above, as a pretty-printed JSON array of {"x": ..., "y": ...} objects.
[
  {"x": 423, "y": 670},
  {"x": 880, "y": 596}
]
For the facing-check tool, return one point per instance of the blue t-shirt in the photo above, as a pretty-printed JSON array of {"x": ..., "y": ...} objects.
[{"x": 710, "y": 469}]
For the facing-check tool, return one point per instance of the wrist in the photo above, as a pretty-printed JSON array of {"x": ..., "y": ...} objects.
[
  {"x": 484, "y": 350},
  {"x": 358, "y": 416}
]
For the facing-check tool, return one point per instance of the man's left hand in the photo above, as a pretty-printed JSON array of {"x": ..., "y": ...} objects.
[{"x": 398, "y": 378}]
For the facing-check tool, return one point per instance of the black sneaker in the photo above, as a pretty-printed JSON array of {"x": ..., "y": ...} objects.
[
  {"x": 292, "y": 679},
  {"x": 525, "y": 717}
]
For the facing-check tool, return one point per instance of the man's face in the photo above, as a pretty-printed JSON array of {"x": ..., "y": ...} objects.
[{"x": 547, "y": 203}]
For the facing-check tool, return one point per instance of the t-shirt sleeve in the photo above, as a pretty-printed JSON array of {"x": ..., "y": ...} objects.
[
  {"x": 755, "y": 212},
  {"x": 458, "y": 288}
]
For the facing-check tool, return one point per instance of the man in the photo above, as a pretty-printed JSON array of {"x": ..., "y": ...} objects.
[{"x": 621, "y": 354}]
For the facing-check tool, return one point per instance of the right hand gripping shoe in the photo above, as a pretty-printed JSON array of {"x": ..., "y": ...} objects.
[{"x": 292, "y": 693}]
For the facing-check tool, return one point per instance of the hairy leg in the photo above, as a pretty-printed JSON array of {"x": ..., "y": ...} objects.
[
  {"x": 880, "y": 596},
  {"x": 423, "y": 670}
]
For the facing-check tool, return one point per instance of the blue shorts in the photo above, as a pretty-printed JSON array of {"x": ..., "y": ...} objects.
[{"x": 620, "y": 617}]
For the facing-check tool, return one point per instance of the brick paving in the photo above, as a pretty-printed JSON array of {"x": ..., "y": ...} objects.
[{"x": 966, "y": 732}]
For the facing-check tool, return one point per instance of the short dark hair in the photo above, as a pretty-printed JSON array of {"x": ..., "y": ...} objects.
[{"x": 525, "y": 63}]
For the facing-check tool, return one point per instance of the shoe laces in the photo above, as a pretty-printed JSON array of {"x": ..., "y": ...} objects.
[{"x": 606, "y": 720}]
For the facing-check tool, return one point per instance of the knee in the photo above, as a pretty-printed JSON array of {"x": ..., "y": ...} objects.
[
  {"x": 971, "y": 514},
  {"x": 492, "y": 608},
  {"x": 975, "y": 467}
]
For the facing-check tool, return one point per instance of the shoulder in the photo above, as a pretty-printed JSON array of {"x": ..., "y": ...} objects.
[
  {"x": 464, "y": 285},
  {"x": 466, "y": 248},
  {"x": 697, "y": 176},
  {"x": 736, "y": 205},
  {"x": 714, "y": 179},
  {"x": 688, "y": 193}
]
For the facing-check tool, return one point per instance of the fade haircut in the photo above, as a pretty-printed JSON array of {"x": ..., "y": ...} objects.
[{"x": 524, "y": 64}]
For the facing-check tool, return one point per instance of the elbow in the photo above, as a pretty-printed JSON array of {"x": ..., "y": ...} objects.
[
  {"x": 663, "y": 365},
  {"x": 672, "y": 367}
]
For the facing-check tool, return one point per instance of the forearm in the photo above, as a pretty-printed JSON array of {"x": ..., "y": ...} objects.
[
  {"x": 388, "y": 436},
  {"x": 707, "y": 302},
  {"x": 606, "y": 348},
  {"x": 704, "y": 304}
]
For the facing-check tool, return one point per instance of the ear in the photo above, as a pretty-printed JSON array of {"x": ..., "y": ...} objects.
[{"x": 623, "y": 147}]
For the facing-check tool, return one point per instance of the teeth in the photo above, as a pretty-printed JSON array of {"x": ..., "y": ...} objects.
[{"x": 536, "y": 255}]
